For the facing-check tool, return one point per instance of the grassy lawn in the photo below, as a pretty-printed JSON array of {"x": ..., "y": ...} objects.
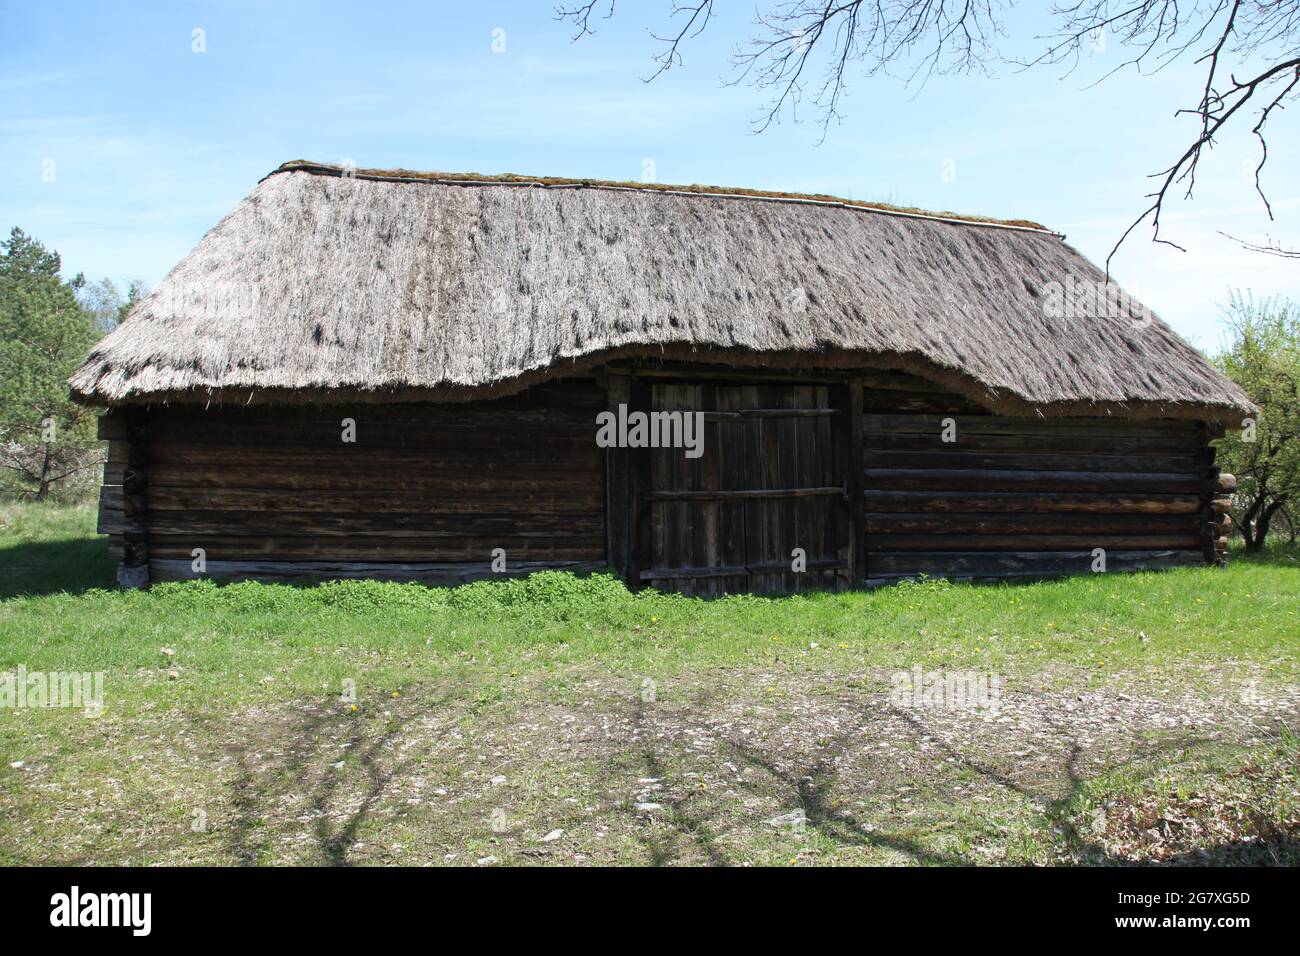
[{"x": 1146, "y": 717}]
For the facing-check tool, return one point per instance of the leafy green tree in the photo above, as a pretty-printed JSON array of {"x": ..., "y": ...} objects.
[
  {"x": 45, "y": 438},
  {"x": 1264, "y": 454}
]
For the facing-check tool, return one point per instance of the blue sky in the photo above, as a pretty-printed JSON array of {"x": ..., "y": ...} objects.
[{"x": 151, "y": 143}]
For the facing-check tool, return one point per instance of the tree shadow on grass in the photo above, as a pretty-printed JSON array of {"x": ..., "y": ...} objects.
[
  {"x": 329, "y": 766},
  {"x": 71, "y": 565},
  {"x": 1059, "y": 803},
  {"x": 811, "y": 787},
  {"x": 694, "y": 824},
  {"x": 689, "y": 824},
  {"x": 1271, "y": 847}
]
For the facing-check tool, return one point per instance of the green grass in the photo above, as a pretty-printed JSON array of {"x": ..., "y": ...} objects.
[{"x": 492, "y": 653}]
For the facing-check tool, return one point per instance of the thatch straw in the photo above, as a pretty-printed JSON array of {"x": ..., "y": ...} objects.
[{"x": 393, "y": 286}]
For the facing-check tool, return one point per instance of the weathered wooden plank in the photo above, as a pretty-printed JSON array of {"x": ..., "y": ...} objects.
[
  {"x": 890, "y": 523},
  {"x": 1023, "y": 502},
  {"x": 955, "y": 458},
  {"x": 438, "y": 478},
  {"x": 725, "y": 571},
  {"x": 986, "y": 564},
  {"x": 618, "y": 488},
  {"x": 500, "y": 454},
  {"x": 830, "y": 491},
  {"x": 470, "y": 428},
  {"x": 1031, "y": 542},
  {"x": 640, "y": 528},
  {"x": 1005, "y": 425},
  {"x": 378, "y": 525},
  {"x": 546, "y": 500},
  {"x": 1046, "y": 441},
  {"x": 795, "y": 412},
  {"x": 541, "y": 547},
  {"x": 853, "y": 445},
  {"x": 984, "y": 480}
]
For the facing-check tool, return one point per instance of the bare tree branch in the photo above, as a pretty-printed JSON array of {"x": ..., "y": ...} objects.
[
  {"x": 806, "y": 50},
  {"x": 1268, "y": 247}
]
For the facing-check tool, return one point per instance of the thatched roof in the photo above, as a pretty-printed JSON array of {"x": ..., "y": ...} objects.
[{"x": 325, "y": 283}]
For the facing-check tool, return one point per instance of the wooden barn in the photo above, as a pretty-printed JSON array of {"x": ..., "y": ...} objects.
[{"x": 432, "y": 377}]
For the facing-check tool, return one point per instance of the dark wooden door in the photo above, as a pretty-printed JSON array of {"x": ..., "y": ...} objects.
[{"x": 771, "y": 479}]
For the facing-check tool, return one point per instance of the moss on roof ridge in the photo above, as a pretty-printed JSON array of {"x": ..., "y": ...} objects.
[{"x": 399, "y": 174}]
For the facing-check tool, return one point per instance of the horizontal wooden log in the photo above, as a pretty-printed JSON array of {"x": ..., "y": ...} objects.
[
  {"x": 441, "y": 478},
  {"x": 466, "y": 433},
  {"x": 378, "y": 525},
  {"x": 984, "y": 564},
  {"x": 887, "y": 523},
  {"x": 1046, "y": 442},
  {"x": 730, "y": 571},
  {"x": 745, "y": 414},
  {"x": 1129, "y": 483},
  {"x": 789, "y": 412},
  {"x": 1000, "y": 425},
  {"x": 1033, "y": 542},
  {"x": 881, "y": 401},
  {"x": 1220, "y": 505},
  {"x": 956, "y": 458},
  {"x": 1023, "y": 502},
  {"x": 111, "y": 521},
  {"x": 826, "y": 491},
  {"x": 542, "y": 547},
  {"x": 1225, "y": 484},
  {"x": 580, "y": 456},
  {"x": 444, "y": 573},
  {"x": 546, "y": 500}
]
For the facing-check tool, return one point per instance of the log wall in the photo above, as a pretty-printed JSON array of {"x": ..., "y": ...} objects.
[
  {"x": 428, "y": 491},
  {"x": 1015, "y": 497},
  {"x": 425, "y": 492}
]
